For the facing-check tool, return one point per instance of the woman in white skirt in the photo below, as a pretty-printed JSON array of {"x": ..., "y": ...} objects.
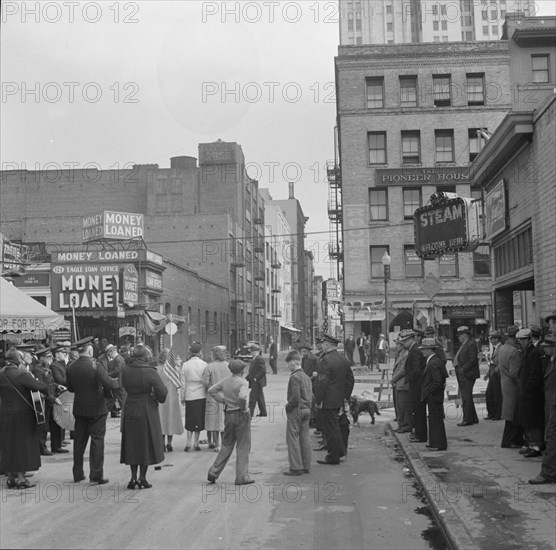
[
  {"x": 215, "y": 372},
  {"x": 169, "y": 411}
]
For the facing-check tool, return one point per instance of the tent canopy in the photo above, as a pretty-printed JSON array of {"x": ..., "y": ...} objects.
[{"x": 20, "y": 313}]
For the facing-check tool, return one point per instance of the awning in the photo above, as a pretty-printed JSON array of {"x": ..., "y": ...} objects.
[
  {"x": 21, "y": 313},
  {"x": 291, "y": 329}
]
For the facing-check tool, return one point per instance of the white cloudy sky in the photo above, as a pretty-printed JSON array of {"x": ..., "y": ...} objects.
[{"x": 154, "y": 74}]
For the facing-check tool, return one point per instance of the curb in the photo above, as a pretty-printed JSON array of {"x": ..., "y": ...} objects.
[{"x": 452, "y": 526}]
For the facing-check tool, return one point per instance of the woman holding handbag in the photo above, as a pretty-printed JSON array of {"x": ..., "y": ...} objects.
[
  {"x": 18, "y": 424},
  {"x": 141, "y": 429}
]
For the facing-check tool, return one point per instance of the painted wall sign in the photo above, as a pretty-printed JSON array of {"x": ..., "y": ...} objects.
[
  {"x": 422, "y": 176},
  {"x": 495, "y": 210},
  {"x": 112, "y": 225},
  {"x": 129, "y": 285},
  {"x": 95, "y": 256}
]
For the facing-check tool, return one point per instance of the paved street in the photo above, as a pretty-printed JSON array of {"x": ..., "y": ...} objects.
[{"x": 367, "y": 502}]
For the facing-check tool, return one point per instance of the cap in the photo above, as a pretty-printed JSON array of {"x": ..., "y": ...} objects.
[
  {"x": 495, "y": 334},
  {"x": 463, "y": 330},
  {"x": 305, "y": 346},
  {"x": 59, "y": 347},
  {"x": 236, "y": 366},
  {"x": 13, "y": 355},
  {"x": 428, "y": 343},
  {"x": 418, "y": 332},
  {"x": 381, "y": 336},
  {"x": 535, "y": 330},
  {"x": 429, "y": 330},
  {"x": 549, "y": 340},
  {"x": 43, "y": 351},
  {"x": 524, "y": 333},
  {"x": 327, "y": 338},
  {"x": 405, "y": 334},
  {"x": 195, "y": 347},
  {"x": 551, "y": 316},
  {"x": 512, "y": 330},
  {"x": 83, "y": 343},
  {"x": 110, "y": 347}
]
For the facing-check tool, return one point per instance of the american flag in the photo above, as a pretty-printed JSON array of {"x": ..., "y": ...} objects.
[{"x": 171, "y": 370}]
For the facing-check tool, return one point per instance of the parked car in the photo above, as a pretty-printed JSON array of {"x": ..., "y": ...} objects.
[{"x": 244, "y": 352}]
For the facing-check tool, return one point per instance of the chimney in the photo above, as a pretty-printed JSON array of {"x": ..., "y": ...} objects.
[{"x": 292, "y": 194}]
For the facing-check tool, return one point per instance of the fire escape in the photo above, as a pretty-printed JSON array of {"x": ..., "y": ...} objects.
[{"x": 335, "y": 249}]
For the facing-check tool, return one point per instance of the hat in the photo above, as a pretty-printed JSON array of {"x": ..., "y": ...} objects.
[
  {"x": 495, "y": 334},
  {"x": 535, "y": 330},
  {"x": 524, "y": 333},
  {"x": 110, "y": 347},
  {"x": 418, "y": 332},
  {"x": 381, "y": 336},
  {"x": 428, "y": 343},
  {"x": 195, "y": 347},
  {"x": 13, "y": 355},
  {"x": 327, "y": 338},
  {"x": 429, "y": 330},
  {"x": 549, "y": 340},
  {"x": 255, "y": 346},
  {"x": 405, "y": 334},
  {"x": 551, "y": 316},
  {"x": 142, "y": 352},
  {"x": 512, "y": 330},
  {"x": 236, "y": 366},
  {"x": 306, "y": 346},
  {"x": 83, "y": 343},
  {"x": 43, "y": 352},
  {"x": 463, "y": 329}
]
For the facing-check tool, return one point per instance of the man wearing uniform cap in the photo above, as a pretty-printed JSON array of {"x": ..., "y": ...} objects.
[
  {"x": 334, "y": 386},
  {"x": 466, "y": 364},
  {"x": 257, "y": 381},
  {"x": 493, "y": 393}
]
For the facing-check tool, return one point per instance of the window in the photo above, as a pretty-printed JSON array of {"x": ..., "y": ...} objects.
[
  {"x": 448, "y": 265},
  {"x": 389, "y": 9},
  {"x": 350, "y": 21},
  {"x": 411, "y": 201},
  {"x": 437, "y": 38},
  {"x": 390, "y": 27},
  {"x": 481, "y": 261},
  {"x": 435, "y": 9},
  {"x": 469, "y": 36},
  {"x": 442, "y": 90},
  {"x": 377, "y": 147},
  {"x": 435, "y": 25},
  {"x": 444, "y": 25},
  {"x": 477, "y": 194},
  {"x": 444, "y": 39},
  {"x": 375, "y": 93},
  {"x": 485, "y": 30},
  {"x": 495, "y": 30},
  {"x": 411, "y": 147},
  {"x": 444, "y": 140},
  {"x": 377, "y": 269},
  {"x": 484, "y": 15},
  {"x": 539, "y": 64},
  {"x": 378, "y": 202},
  {"x": 408, "y": 91},
  {"x": 476, "y": 142},
  {"x": 443, "y": 9},
  {"x": 358, "y": 23},
  {"x": 413, "y": 264}
]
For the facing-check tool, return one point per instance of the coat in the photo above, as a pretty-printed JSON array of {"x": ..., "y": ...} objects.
[
  {"x": 171, "y": 420},
  {"x": 335, "y": 380},
  {"x": 309, "y": 364},
  {"x": 509, "y": 361},
  {"x": 399, "y": 380},
  {"x": 257, "y": 372},
  {"x": 434, "y": 377},
  {"x": 530, "y": 394},
  {"x": 88, "y": 383},
  {"x": 414, "y": 370},
  {"x": 549, "y": 384},
  {"x": 18, "y": 425},
  {"x": 467, "y": 360},
  {"x": 214, "y": 412},
  {"x": 141, "y": 430},
  {"x": 44, "y": 374},
  {"x": 58, "y": 372}
]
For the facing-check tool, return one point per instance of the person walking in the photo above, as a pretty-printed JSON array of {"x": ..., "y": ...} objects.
[
  {"x": 193, "y": 395},
  {"x": 216, "y": 371},
  {"x": 298, "y": 413},
  {"x": 493, "y": 393},
  {"x": 88, "y": 381},
  {"x": 232, "y": 392},
  {"x": 257, "y": 381},
  {"x": 169, "y": 411},
  {"x": 141, "y": 443},
  {"x": 432, "y": 393},
  {"x": 466, "y": 364},
  {"x": 273, "y": 352},
  {"x": 509, "y": 360},
  {"x": 335, "y": 384}
]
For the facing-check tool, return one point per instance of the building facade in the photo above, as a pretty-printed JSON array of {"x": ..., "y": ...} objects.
[{"x": 410, "y": 119}]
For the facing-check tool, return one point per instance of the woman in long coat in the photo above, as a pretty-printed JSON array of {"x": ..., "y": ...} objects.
[
  {"x": 215, "y": 372},
  {"x": 170, "y": 413},
  {"x": 141, "y": 430},
  {"x": 18, "y": 425}
]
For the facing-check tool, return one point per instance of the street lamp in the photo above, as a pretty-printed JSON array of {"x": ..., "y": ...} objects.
[{"x": 386, "y": 261}]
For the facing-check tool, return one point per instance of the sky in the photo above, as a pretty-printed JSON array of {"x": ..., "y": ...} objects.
[{"x": 110, "y": 84}]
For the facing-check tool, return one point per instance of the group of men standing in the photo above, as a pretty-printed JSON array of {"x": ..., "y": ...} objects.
[{"x": 366, "y": 348}]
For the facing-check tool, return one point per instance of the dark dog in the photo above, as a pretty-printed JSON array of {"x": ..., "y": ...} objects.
[{"x": 358, "y": 405}]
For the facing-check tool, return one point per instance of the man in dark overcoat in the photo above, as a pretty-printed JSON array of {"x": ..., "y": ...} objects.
[
  {"x": 335, "y": 384},
  {"x": 273, "y": 356},
  {"x": 349, "y": 348},
  {"x": 257, "y": 381},
  {"x": 58, "y": 368},
  {"x": 466, "y": 364},
  {"x": 88, "y": 381},
  {"x": 309, "y": 367},
  {"x": 432, "y": 393},
  {"x": 493, "y": 393}
]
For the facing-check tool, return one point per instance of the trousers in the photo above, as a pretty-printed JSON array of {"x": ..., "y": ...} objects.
[
  {"x": 466, "y": 391},
  {"x": 334, "y": 441},
  {"x": 95, "y": 428},
  {"x": 297, "y": 439},
  {"x": 256, "y": 397}
]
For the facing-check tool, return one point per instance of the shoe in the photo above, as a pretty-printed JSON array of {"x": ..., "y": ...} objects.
[
  {"x": 46, "y": 453},
  {"x": 100, "y": 481},
  {"x": 78, "y": 479},
  {"x": 489, "y": 418},
  {"x": 540, "y": 480},
  {"x": 398, "y": 431},
  {"x": 196, "y": 447},
  {"x": 320, "y": 449},
  {"x": 211, "y": 478},
  {"x": 533, "y": 453},
  {"x": 65, "y": 443},
  {"x": 25, "y": 484},
  {"x": 512, "y": 446},
  {"x": 143, "y": 484},
  {"x": 524, "y": 450},
  {"x": 12, "y": 484},
  {"x": 187, "y": 448},
  {"x": 417, "y": 440},
  {"x": 328, "y": 462},
  {"x": 293, "y": 473},
  {"x": 169, "y": 448},
  {"x": 60, "y": 451},
  {"x": 460, "y": 424},
  {"x": 248, "y": 482},
  {"x": 475, "y": 421},
  {"x": 262, "y": 415},
  {"x": 212, "y": 445},
  {"x": 306, "y": 471},
  {"x": 131, "y": 485},
  {"x": 216, "y": 449}
]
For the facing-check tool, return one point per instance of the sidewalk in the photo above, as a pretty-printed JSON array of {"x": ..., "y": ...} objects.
[{"x": 479, "y": 491}]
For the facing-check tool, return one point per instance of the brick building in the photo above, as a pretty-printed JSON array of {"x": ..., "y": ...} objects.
[{"x": 408, "y": 120}]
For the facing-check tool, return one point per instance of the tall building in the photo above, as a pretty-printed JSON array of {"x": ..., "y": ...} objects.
[
  {"x": 410, "y": 120},
  {"x": 410, "y": 21}
]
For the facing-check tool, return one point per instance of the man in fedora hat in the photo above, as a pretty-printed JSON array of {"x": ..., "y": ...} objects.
[
  {"x": 309, "y": 366},
  {"x": 257, "y": 381},
  {"x": 466, "y": 364},
  {"x": 334, "y": 386},
  {"x": 432, "y": 393},
  {"x": 493, "y": 394}
]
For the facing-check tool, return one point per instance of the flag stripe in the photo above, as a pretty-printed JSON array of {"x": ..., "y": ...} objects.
[{"x": 171, "y": 371}]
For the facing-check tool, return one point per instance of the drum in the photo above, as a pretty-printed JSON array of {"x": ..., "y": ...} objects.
[{"x": 63, "y": 414}]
